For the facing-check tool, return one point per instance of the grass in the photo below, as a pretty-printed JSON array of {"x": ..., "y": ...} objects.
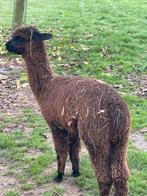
[
  {"x": 16, "y": 146},
  {"x": 41, "y": 179},
  {"x": 11, "y": 193},
  {"x": 145, "y": 135},
  {"x": 89, "y": 35},
  {"x": 54, "y": 191},
  {"x": 137, "y": 184},
  {"x": 26, "y": 187},
  {"x": 100, "y": 39},
  {"x": 138, "y": 110},
  {"x": 29, "y": 170}
]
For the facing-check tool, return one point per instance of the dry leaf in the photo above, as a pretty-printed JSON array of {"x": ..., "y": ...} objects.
[{"x": 18, "y": 84}]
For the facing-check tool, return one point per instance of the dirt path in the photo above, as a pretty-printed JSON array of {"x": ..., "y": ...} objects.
[
  {"x": 14, "y": 96},
  {"x": 138, "y": 84},
  {"x": 139, "y": 140}
]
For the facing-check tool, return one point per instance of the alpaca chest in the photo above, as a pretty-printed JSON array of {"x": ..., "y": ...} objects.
[{"x": 63, "y": 116}]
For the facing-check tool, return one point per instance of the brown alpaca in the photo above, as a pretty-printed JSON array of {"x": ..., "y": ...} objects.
[{"x": 74, "y": 108}]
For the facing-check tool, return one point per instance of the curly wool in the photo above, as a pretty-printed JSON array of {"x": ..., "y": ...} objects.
[{"x": 81, "y": 108}]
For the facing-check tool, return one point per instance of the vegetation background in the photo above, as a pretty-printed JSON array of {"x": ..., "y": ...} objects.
[{"x": 102, "y": 39}]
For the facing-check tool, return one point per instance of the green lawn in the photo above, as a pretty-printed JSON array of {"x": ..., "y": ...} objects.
[
  {"x": 30, "y": 170},
  {"x": 102, "y": 39}
]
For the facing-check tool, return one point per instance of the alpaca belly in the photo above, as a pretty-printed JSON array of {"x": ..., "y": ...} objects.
[{"x": 67, "y": 122}]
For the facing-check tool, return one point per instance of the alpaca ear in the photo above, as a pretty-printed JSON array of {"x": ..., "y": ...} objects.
[
  {"x": 41, "y": 36},
  {"x": 46, "y": 36}
]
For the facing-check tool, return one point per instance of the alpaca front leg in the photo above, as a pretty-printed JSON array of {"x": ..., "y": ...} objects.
[
  {"x": 61, "y": 159},
  {"x": 74, "y": 154},
  {"x": 62, "y": 148}
]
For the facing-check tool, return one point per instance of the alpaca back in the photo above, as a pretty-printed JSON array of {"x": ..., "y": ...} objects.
[{"x": 69, "y": 99}]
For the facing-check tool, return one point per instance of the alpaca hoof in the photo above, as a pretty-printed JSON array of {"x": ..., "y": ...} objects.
[
  {"x": 76, "y": 174},
  {"x": 58, "y": 179}
]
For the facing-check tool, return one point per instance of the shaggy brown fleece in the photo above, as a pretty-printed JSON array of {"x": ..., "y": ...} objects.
[{"x": 74, "y": 108}]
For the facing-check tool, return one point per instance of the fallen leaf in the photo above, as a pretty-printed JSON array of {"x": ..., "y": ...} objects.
[
  {"x": 59, "y": 58},
  {"x": 18, "y": 84},
  {"x": 85, "y": 62},
  {"x": 144, "y": 130},
  {"x": 24, "y": 85}
]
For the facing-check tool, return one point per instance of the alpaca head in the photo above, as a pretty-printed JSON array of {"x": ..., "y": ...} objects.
[{"x": 23, "y": 37}]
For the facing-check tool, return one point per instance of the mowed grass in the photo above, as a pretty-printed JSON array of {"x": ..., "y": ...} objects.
[
  {"x": 138, "y": 180},
  {"x": 92, "y": 35},
  {"x": 29, "y": 169},
  {"x": 100, "y": 39},
  {"x": 25, "y": 150}
]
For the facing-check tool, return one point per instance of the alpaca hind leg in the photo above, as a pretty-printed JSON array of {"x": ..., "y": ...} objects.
[
  {"x": 121, "y": 188},
  {"x": 62, "y": 149},
  {"x": 119, "y": 169},
  {"x": 99, "y": 152},
  {"x": 94, "y": 131},
  {"x": 104, "y": 189},
  {"x": 74, "y": 154},
  {"x": 102, "y": 170}
]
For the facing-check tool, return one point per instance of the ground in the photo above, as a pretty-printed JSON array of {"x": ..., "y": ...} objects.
[
  {"x": 16, "y": 98},
  {"x": 105, "y": 40}
]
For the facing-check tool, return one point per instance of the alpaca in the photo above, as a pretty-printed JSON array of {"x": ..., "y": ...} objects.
[{"x": 75, "y": 107}]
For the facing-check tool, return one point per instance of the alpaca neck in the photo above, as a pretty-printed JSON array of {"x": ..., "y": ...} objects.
[{"x": 38, "y": 69}]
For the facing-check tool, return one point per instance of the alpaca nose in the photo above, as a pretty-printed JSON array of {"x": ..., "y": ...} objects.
[{"x": 8, "y": 46}]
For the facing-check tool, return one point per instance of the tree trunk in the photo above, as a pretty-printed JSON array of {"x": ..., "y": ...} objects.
[{"x": 19, "y": 13}]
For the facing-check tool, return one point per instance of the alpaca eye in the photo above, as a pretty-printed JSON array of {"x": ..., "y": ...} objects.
[{"x": 18, "y": 40}]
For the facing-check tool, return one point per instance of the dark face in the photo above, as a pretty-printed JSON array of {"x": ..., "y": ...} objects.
[
  {"x": 19, "y": 44},
  {"x": 16, "y": 45}
]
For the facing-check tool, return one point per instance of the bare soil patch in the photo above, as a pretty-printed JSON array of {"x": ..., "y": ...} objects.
[
  {"x": 138, "y": 84},
  {"x": 6, "y": 182},
  {"x": 13, "y": 96},
  {"x": 139, "y": 140}
]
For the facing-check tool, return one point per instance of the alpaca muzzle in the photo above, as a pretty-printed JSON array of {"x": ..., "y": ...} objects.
[{"x": 11, "y": 48}]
